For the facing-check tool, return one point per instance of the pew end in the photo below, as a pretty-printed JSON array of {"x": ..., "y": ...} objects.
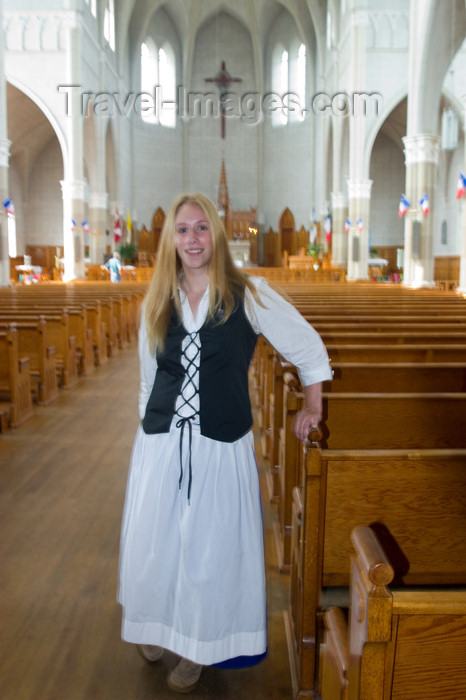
[{"x": 397, "y": 644}]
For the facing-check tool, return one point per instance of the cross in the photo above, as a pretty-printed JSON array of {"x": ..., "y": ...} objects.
[{"x": 223, "y": 81}]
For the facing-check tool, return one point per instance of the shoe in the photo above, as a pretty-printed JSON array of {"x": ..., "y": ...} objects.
[
  {"x": 150, "y": 652},
  {"x": 184, "y": 676}
]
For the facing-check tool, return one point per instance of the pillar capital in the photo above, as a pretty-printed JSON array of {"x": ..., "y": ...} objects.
[
  {"x": 74, "y": 189},
  {"x": 98, "y": 200},
  {"x": 338, "y": 200},
  {"x": 359, "y": 189},
  {"x": 421, "y": 148}
]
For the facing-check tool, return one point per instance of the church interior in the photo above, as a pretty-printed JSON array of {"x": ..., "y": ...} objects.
[{"x": 330, "y": 135}]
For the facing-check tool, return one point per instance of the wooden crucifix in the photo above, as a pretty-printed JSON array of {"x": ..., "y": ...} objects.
[{"x": 223, "y": 81}]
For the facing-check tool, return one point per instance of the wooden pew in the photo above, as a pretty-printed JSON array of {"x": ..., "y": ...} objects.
[
  {"x": 15, "y": 383},
  {"x": 119, "y": 309},
  {"x": 111, "y": 312},
  {"x": 399, "y": 644},
  {"x": 431, "y": 336},
  {"x": 349, "y": 377},
  {"x": 385, "y": 420},
  {"x": 397, "y": 377},
  {"x": 58, "y": 335},
  {"x": 397, "y": 353},
  {"x": 363, "y": 421},
  {"x": 33, "y": 343},
  {"x": 414, "y": 499},
  {"x": 79, "y": 326}
]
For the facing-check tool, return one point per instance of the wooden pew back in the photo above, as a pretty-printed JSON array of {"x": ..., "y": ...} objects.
[
  {"x": 414, "y": 500},
  {"x": 58, "y": 335},
  {"x": 403, "y": 644},
  {"x": 401, "y": 377},
  {"x": 394, "y": 420},
  {"x": 15, "y": 383},
  {"x": 33, "y": 343}
]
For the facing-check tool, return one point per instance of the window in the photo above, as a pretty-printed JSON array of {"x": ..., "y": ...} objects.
[
  {"x": 158, "y": 83},
  {"x": 149, "y": 78},
  {"x": 109, "y": 23},
  {"x": 280, "y": 86},
  {"x": 167, "y": 82},
  {"x": 300, "y": 87},
  {"x": 289, "y": 84}
]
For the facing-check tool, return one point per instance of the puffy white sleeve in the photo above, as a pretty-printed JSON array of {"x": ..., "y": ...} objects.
[
  {"x": 289, "y": 333},
  {"x": 147, "y": 368}
]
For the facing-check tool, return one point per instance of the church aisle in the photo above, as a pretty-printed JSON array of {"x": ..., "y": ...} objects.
[{"x": 62, "y": 482}]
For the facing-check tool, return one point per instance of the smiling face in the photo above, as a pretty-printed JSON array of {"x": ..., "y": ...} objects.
[{"x": 193, "y": 238}]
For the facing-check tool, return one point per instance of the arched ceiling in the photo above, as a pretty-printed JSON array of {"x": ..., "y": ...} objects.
[
  {"x": 257, "y": 16},
  {"x": 30, "y": 134}
]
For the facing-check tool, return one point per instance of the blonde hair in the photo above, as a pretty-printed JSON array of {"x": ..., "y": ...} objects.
[{"x": 226, "y": 281}]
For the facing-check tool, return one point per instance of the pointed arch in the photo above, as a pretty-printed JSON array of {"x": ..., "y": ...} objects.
[{"x": 287, "y": 230}]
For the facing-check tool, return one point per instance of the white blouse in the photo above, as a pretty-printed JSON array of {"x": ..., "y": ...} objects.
[{"x": 278, "y": 321}]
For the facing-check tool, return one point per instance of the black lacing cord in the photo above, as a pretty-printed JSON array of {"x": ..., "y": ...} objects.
[
  {"x": 182, "y": 424},
  {"x": 187, "y": 420}
]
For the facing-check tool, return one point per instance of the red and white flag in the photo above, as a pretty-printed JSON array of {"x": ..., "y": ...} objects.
[{"x": 117, "y": 228}]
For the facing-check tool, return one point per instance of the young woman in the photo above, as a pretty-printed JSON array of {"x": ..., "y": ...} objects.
[{"x": 191, "y": 569}]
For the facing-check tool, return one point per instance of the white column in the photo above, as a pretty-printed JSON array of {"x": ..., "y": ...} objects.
[
  {"x": 4, "y": 165},
  {"x": 421, "y": 159},
  {"x": 359, "y": 187},
  {"x": 359, "y": 195},
  {"x": 74, "y": 186},
  {"x": 4, "y": 193},
  {"x": 74, "y": 195},
  {"x": 462, "y": 282},
  {"x": 339, "y": 237},
  {"x": 98, "y": 226}
]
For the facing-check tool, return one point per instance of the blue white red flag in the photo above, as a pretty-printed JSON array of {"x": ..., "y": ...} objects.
[
  {"x": 73, "y": 224},
  {"x": 461, "y": 187},
  {"x": 403, "y": 206},
  {"x": 359, "y": 224},
  {"x": 85, "y": 225},
  {"x": 424, "y": 202},
  {"x": 9, "y": 206},
  {"x": 347, "y": 225}
]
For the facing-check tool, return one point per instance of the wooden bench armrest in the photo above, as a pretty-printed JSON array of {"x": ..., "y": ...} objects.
[
  {"x": 314, "y": 437},
  {"x": 23, "y": 362},
  {"x": 372, "y": 556},
  {"x": 291, "y": 379},
  {"x": 336, "y": 624}
]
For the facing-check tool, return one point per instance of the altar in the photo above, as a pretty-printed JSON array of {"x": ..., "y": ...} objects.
[{"x": 240, "y": 249}]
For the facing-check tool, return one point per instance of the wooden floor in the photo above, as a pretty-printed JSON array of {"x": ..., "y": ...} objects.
[{"x": 62, "y": 483}]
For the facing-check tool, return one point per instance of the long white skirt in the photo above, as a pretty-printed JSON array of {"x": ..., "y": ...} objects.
[{"x": 192, "y": 573}]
